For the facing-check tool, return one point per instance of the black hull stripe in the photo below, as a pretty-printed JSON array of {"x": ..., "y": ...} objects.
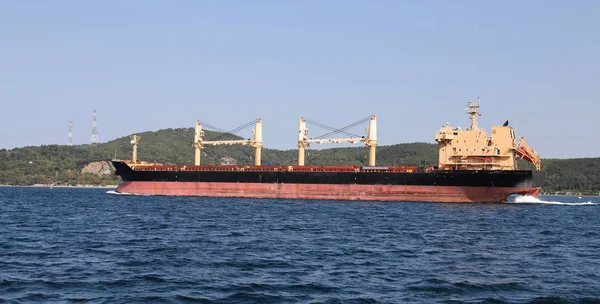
[{"x": 464, "y": 178}]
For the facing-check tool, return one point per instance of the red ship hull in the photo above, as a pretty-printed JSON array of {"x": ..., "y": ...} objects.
[{"x": 404, "y": 193}]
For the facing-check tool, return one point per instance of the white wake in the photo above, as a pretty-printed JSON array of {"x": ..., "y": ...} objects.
[
  {"x": 527, "y": 199},
  {"x": 118, "y": 193},
  {"x": 113, "y": 192}
]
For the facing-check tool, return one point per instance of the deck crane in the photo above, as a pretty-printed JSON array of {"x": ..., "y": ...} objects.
[
  {"x": 257, "y": 142},
  {"x": 370, "y": 140}
]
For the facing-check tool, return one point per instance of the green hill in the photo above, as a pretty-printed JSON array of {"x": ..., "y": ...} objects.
[{"x": 54, "y": 164}]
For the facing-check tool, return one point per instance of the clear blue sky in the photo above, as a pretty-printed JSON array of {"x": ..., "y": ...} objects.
[{"x": 149, "y": 65}]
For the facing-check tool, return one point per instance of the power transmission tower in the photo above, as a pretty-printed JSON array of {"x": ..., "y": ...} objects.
[
  {"x": 94, "y": 138},
  {"x": 70, "y": 141}
]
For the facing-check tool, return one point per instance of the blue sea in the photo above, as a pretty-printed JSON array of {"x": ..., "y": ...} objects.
[{"x": 94, "y": 246}]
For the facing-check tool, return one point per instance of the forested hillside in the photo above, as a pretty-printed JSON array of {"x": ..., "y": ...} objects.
[{"x": 54, "y": 164}]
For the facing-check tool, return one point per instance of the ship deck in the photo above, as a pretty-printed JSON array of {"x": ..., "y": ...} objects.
[{"x": 333, "y": 169}]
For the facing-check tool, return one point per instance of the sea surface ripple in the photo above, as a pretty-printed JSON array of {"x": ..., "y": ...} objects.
[{"x": 90, "y": 246}]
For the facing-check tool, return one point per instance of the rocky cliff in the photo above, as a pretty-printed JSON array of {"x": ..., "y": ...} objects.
[{"x": 98, "y": 168}]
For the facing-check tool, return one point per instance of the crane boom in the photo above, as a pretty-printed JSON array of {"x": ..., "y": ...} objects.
[
  {"x": 200, "y": 143},
  {"x": 337, "y": 140},
  {"x": 370, "y": 140}
]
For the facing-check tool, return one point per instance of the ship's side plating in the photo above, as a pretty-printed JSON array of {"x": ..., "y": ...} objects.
[{"x": 434, "y": 186}]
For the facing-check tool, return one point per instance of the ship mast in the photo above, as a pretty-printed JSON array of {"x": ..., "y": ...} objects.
[
  {"x": 134, "y": 141},
  {"x": 473, "y": 111},
  {"x": 257, "y": 143},
  {"x": 371, "y": 141},
  {"x": 198, "y": 134},
  {"x": 302, "y": 140}
]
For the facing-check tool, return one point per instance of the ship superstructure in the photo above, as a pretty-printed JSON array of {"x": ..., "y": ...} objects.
[{"x": 473, "y": 149}]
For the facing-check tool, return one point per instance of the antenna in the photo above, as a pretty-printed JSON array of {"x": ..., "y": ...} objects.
[
  {"x": 70, "y": 138},
  {"x": 94, "y": 137}
]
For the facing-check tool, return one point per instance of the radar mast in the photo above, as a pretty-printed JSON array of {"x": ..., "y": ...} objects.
[{"x": 473, "y": 111}]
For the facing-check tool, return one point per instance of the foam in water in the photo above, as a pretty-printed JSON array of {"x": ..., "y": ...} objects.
[
  {"x": 120, "y": 193},
  {"x": 528, "y": 199},
  {"x": 114, "y": 192}
]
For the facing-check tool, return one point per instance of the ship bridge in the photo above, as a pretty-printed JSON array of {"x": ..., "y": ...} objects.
[{"x": 474, "y": 149}]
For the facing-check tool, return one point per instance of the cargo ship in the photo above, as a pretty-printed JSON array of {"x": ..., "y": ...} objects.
[{"x": 472, "y": 167}]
